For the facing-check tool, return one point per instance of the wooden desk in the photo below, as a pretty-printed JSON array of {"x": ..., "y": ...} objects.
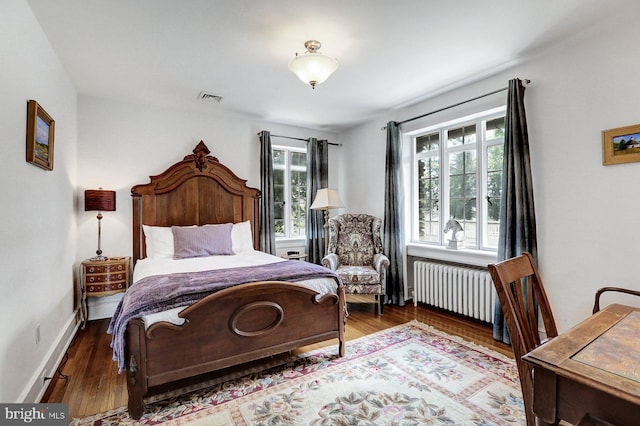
[{"x": 594, "y": 369}]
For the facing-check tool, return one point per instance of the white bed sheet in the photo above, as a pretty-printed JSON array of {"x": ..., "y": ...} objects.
[{"x": 149, "y": 267}]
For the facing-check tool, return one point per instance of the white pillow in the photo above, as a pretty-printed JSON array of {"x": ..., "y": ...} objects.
[
  {"x": 159, "y": 241},
  {"x": 242, "y": 237}
]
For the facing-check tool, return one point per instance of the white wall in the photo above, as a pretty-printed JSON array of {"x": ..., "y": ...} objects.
[
  {"x": 586, "y": 212},
  {"x": 121, "y": 144},
  {"x": 37, "y": 219}
]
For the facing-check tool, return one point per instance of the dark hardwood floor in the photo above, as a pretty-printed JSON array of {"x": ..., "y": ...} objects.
[{"x": 93, "y": 385}]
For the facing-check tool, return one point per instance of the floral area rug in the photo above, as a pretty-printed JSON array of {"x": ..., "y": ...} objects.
[{"x": 411, "y": 374}]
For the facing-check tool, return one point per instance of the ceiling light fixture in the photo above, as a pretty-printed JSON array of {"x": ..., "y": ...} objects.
[{"x": 313, "y": 67}]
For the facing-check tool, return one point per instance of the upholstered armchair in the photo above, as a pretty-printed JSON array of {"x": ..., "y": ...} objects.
[{"x": 355, "y": 253}]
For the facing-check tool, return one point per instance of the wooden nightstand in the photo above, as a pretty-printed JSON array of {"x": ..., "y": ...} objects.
[{"x": 103, "y": 278}]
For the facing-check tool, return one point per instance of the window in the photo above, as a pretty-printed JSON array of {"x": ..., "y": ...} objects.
[
  {"x": 457, "y": 173},
  {"x": 290, "y": 191}
]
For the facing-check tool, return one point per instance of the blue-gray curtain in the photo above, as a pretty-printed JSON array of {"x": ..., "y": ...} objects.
[
  {"x": 317, "y": 178},
  {"x": 267, "y": 214},
  {"x": 517, "y": 211},
  {"x": 394, "y": 216}
]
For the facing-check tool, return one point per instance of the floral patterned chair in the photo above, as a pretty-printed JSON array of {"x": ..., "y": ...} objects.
[{"x": 355, "y": 253}]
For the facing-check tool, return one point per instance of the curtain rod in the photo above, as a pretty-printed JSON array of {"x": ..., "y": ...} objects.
[
  {"x": 300, "y": 139},
  {"x": 526, "y": 81}
]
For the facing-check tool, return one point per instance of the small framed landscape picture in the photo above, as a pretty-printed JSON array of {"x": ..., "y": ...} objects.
[
  {"x": 621, "y": 145},
  {"x": 40, "y": 133}
]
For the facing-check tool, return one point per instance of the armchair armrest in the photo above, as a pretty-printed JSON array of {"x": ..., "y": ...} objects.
[
  {"x": 331, "y": 261},
  {"x": 380, "y": 262}
]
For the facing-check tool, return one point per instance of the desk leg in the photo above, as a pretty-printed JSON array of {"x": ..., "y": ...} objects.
[{"x": 545, "y": 396}]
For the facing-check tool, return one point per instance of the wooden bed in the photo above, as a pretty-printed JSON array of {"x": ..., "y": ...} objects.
[{"x": 229, "y": 327}]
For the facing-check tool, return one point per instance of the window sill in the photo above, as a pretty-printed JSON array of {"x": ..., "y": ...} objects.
[
  {"x": 290, "y": 242},
  {"x": 465, "y": 256}
]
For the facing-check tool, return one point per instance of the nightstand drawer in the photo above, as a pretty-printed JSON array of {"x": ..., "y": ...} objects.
[
  {"x": 111, "y": 288},
  {"x": 94, "y": 268},
  {"x": 105, "y": 278}
]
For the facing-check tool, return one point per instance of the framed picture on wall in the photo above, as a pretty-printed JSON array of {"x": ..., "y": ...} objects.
[
  {"x": 621, "y": 145},
  {"x": 40, "y": 133}
]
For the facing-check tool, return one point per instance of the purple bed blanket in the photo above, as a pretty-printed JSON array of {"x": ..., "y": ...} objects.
[{"x": 163, "y": 292}]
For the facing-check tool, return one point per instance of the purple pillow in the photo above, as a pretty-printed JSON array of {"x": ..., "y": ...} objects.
[{"x": 202, "y": 241}]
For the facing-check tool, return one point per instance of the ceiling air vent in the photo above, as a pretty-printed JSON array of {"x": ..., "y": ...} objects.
[{"x": 210, "y": 97}]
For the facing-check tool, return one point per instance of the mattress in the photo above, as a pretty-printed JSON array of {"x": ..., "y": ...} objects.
[{"x": 149, "y": 267}]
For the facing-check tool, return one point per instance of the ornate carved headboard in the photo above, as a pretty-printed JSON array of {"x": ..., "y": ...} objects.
[{"x": 198, "y": 190}]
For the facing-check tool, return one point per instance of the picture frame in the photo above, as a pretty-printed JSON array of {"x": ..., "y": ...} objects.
[
  {"x": 40, "y": 136},
  {"x": 621, "y": 145}
]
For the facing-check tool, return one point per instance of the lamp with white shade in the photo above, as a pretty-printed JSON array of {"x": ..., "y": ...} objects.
[{"x": 326, "y": 199}]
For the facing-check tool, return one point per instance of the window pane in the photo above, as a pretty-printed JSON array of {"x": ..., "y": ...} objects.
[
  {"x": 279, "y": 201},
  {"x": 470, "y": 229},
  {"x": 495, "y": 128},
  {"x": 470, "y": 186},
  {"x": 494, "y": 193},
  {"x": 462, "y": 175},
  {"x": 278, "y": 186},
  {"x": 279, "y": 227},
  {"x": 278, "y": 178},
  {"x": 298, "y": 182},
  {"x": 456, "y": 208},
  {"x": 278, "y": 157},
  {"x": 298, "y": 202},
  {"x": 462, "y": 162},
  {"x": 461, "y": 136},
  {"x": 493, "y": 234},
  {"x": 494, "y": 171},
  {"x": 456, "y": 186},
  {"x": 431, "y": 232},
  {"x": 463, "y": 190},
  {"x": 299, "y": 159},
  {"x": 428, "y": 199},
  {"x": 428, "y": 143}
]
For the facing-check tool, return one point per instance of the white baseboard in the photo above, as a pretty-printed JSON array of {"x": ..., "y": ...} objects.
[
  {"x": 35, "y": 389},
  {"x": 99, "y": 307}
]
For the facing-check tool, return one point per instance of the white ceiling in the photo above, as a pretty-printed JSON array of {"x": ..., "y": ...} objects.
[{"x": 391, "y": 53}]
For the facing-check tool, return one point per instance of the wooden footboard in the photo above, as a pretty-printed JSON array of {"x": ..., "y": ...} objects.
[{"x": 230, "y": 327}]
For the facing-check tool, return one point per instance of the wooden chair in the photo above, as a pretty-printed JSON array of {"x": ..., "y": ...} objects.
[
  {"x": 518, "y": 284},
  {"x": 596, "y": 304}
]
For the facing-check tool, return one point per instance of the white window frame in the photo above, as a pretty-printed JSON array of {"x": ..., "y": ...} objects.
[
  {"x": 481, "y": 150},
  {"x": 287, "y": 190}
]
